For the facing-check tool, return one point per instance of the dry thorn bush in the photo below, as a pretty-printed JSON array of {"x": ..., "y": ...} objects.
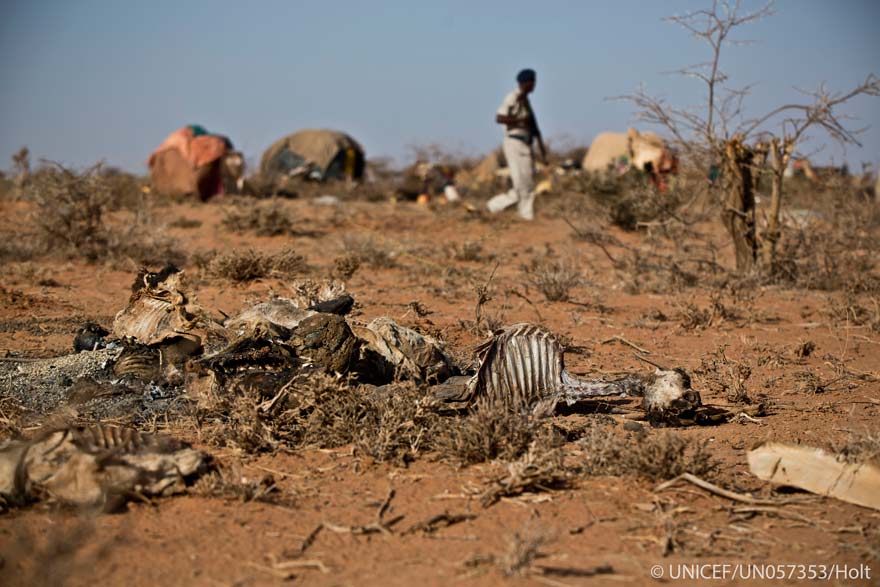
[
  {"x": 485, "y": 434},
  {"x": 262, "y": 218},
  {"x": 71, "y": 217},
  {"x": 553, "y": 277},
  {"x": 242, "y": 265},
  {"x": 229, "y": 482},
  {"x": 656, "y": 457},
  {"x": 368, "y": 251},
  {"x": 389, "y": 424}
]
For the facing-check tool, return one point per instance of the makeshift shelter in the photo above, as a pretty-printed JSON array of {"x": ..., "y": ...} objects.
[
  {"x": 189, "y": 161},
  {"x": 619, "y": 152},
  {"x": 315, "y": 154}
]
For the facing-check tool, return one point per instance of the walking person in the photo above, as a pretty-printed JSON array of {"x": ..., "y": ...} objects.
[{"x": 521, "y": 130}]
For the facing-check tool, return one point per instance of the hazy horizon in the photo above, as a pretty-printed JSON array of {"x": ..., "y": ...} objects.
[{"x": 99, "y": 80}]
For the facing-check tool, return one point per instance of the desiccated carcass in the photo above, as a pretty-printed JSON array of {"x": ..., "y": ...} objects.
[
  {"x": 263, "y": 358},
  {"x": 326, "y": 341},
  {"x": 310, "y": 292},
  {"x": 522, "y": 369},
  {"x": 668, "y": 396},
  {"x": 160, "y": 314},
  {"x": 100, "y": 466},
  {"x": 285, "y": 313},
  {"x": 280, "y": 315},
  {"x": 393, "y": 352}
]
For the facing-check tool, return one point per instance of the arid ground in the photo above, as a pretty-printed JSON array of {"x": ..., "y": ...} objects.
[{"x": 805, "y": 349}]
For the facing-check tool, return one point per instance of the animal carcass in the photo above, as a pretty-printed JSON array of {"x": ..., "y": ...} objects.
[{"x": 523, "y": 369}]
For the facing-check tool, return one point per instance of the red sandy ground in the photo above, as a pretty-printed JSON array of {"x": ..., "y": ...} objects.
[{"x": 190, "y": 540}]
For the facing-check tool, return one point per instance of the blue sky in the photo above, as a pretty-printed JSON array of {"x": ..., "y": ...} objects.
[{"x": 86, "y": 80}]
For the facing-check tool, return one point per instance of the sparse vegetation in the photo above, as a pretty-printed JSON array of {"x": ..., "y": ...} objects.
[
  {"x": 262, "y": 218},
  {"x": 553, "y": 277},
  {"x": 656, "y": 457},
  {"x": 241, "y": 265},
  {"x": 368, "y": 251},
  {"x": 487, "y": 434}
]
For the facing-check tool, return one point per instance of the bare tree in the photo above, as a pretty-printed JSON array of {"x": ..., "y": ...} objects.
[
  {"x": 719, "y": 132},
  {"x": 795, "y": 120}
]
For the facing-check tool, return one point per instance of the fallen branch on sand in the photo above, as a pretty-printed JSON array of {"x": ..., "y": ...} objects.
[{"x": 712, "y": 488}]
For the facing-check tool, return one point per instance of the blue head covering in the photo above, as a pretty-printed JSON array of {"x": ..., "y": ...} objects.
[{"x": 526, "y": 75}]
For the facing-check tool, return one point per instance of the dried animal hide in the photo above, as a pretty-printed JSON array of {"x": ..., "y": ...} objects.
[
  {"x": 309, "y": 292},
  {"x": 160, "y": 313},
  {"x": 391, "y": 351},
  {"x": 272, "y": 315},
  {"x": 101, "y": 466},
  {"x": 327, "y": 341}
]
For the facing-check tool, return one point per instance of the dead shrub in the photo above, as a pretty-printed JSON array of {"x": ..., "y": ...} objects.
[
  {"x": 652, "y": 456},
  {"x": 70, "y": 210},
  {"x": 485, "y": 434},
  {"x": 127, "y": 189},
  {"x": 855, "y": 310},
  {"x": 830, "y": 240},
  {"x": 368, "y": 251},
  {"x": 692, "y": 317},
  {"x": 316, "y": 410},
  {"x": 397, "y": 424},
  {"x": 71, "y": 217},
  {"x": 229, "y": 482},
  {"x": 540, "y": 468},
  {"x": 553, "y": 277},
  {"x": 242, "y": 265},
  {"x": 468, "y": 251},
  {"x": 262, "y": 218},
  {"x": 346, "y": 266},
  {"x": 725, "y": 376}
]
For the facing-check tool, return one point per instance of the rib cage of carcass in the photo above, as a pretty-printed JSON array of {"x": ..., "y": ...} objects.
[{"x": 523, "y": 369}]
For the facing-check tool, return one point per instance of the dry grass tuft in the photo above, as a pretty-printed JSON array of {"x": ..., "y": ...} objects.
[
  {"x": 523, "y": 549},
  {"x": 229, "y": 482},
  {"x": 655, "y": 457},
  {"x": 394, "y": 423},
  {"x": 262, "y": 218},
  {"x": 485, "y": 434},
  {"x": 242, "y": 265},
  {"x": 553, "y": 277},
  {"x": 368, "y": 251}
]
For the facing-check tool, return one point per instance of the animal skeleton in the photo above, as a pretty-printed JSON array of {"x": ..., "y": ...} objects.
[{"x": 523, "y": 369}]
